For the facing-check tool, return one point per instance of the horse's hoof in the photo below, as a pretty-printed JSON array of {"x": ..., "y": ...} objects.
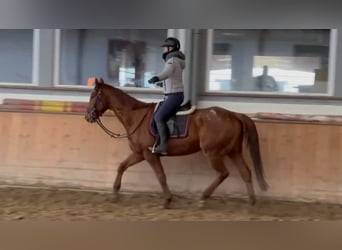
[
  {"x": 115, "y": 198},
  {"x": 252, "y": 201},
  {"x": 167, "y": 204},
  {"x": 201, "y": 204}
]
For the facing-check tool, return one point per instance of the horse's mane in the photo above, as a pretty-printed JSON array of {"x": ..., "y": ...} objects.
[{"x": 125, "y": 99}]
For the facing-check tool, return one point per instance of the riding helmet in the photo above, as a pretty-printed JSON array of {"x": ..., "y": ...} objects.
[{"x": 171, "y": 42}]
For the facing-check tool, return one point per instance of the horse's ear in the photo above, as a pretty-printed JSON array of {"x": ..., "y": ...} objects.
[{"x": 96, "y": 83}]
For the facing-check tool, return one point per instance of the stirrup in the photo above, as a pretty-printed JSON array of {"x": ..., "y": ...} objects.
[
  {"x": 158, "y": 152},
  {"x": 153, "y": 147},
  {"x": 153, "y": 150}
]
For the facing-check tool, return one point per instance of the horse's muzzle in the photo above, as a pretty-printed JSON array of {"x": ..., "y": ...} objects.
[{"x": 90, "y": 116}]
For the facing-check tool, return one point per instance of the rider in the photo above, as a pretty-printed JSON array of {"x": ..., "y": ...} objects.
[{"x": 173, "y": 89}]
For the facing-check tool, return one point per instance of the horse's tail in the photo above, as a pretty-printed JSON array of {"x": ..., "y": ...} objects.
[{"x": 252, "y": 138}]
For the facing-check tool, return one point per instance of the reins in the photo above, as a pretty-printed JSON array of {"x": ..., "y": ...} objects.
[{"x": 116, "y": 135}]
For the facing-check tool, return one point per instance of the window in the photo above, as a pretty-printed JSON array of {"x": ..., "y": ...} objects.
[
  {"x": 16, "y": 53},
  {"x": 126, "y": 58},
  {"x": 276, "y": 61}
]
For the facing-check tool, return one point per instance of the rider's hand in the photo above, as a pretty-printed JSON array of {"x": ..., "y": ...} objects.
[{"x": 153, "y": 80}]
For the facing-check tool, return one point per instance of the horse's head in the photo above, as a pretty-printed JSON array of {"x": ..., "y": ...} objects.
[{"x": 97, "y": 103}]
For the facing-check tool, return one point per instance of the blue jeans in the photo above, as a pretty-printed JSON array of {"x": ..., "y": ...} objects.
[{"x": 169, "y": 107}]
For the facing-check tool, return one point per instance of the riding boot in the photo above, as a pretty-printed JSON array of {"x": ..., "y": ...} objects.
[{"x": 163, "y": 135}]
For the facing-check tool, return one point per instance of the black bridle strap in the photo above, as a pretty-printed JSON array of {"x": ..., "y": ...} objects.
[{"x": 116, "y": 135}]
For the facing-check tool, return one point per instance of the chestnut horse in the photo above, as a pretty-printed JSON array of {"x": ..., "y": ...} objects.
[{"x": 216, "y": 131}]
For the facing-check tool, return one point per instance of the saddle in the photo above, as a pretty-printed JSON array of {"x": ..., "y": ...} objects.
[
  {"x": 178, "y": 123},
  {"x": 185, "y": 107}
]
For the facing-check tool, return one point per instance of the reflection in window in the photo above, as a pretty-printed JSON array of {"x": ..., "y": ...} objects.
[
  {"x": 126, "y": 62},
  {"x": 126, "y": 58},
  {"x": 220, "y": 67},
  {"x": 288, "y": 73},
  {"x": 16, "y": 52},
  {"x": 288, "y": 61}
]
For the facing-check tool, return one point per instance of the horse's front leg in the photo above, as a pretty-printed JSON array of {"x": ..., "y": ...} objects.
[
  {"x": 132, "y": 159},
  {"x": 155, "y": 163}
]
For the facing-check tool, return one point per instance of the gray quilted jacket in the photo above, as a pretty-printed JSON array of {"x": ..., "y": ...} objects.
[{"x": 173, "y": 72}]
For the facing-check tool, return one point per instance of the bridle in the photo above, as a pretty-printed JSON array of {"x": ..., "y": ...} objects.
[
  {"x": 116, "y": 135},
  {"x": 112, "y": 134}
]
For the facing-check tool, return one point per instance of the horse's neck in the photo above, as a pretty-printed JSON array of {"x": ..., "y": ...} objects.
[
  {"x": 128, "y": 109},
  {"x": 118, "y": 99}
]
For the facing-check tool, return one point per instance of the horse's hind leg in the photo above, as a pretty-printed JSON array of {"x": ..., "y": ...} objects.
[
  {"x": 218, "y": 165},
  {"x": 155, "y": 163},
  {"x": 246, "y": 175},
  {"x": 132, "y": 159}
]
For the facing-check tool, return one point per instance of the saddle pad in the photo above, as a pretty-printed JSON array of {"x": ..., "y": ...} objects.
[{"x": 177, "y": 125}]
